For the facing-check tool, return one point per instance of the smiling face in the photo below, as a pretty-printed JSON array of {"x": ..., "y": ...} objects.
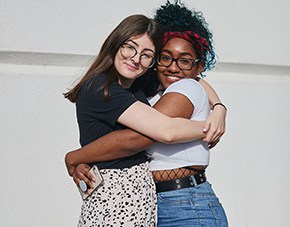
[
  {"x": 129, "y": 68},
  {"x": 177, "y": 48}
]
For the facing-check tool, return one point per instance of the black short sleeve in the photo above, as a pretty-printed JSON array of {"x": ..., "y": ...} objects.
[
  {"x": 98, "y": 117},
  {"x": 91, "y": 98}
]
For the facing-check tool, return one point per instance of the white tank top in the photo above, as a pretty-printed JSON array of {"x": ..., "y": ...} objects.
[{"x": 170, "y": 156}]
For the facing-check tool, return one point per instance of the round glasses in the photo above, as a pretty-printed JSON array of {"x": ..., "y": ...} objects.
[
  {"x": 146, "y": 57},
  {"x": 182, "y": 63}
]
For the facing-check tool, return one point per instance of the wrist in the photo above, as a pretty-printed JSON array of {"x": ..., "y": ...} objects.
[
  {"x": 69, "y": 160},
  {"x": 219, "y": 104}
]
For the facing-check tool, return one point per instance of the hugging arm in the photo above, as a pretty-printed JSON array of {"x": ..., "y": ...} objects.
[
  {"x": 152, "y": 123},
  {"x": 123, "y": 143},
  {"x": 216, "y": 122},
  {"x": 127, "y": 142}
]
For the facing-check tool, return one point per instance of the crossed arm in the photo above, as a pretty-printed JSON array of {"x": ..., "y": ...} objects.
[
  {"x": 126, "y": 142},
  {"x": 123, "y": 143}
]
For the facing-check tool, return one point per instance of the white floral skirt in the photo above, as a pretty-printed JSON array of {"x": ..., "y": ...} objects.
[{"x": 126, "y": 198}]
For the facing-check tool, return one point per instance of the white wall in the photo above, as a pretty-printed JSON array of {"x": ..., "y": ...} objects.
[
  {"x": 244, "y": 31},
  {"x": 38, "y": 125},
  {"x": 249, "y": 169}
]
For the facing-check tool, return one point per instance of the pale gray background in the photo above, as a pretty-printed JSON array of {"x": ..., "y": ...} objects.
[{"x": 46, "y": 45}]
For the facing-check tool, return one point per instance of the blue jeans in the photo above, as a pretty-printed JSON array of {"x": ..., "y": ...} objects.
[{"x": 194, "y": 206}]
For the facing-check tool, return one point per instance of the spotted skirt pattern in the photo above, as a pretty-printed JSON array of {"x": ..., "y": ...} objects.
[{"x": 126, "y": 198}]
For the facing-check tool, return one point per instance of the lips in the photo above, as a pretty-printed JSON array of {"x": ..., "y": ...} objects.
[
  {"x": 173, "y": 78},
  {"x": 131, "y": 67}
]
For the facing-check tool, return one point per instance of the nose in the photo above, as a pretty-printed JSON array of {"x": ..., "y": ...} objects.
[
  {"x": 173, "y": 67},
  {"x": 136, "y": 58}
]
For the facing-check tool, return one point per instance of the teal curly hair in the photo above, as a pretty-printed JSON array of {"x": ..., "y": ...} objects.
[{"x": 175, "y": 17}]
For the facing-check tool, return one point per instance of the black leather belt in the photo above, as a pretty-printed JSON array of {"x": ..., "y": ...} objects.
[{"x": 179, "y": 183}]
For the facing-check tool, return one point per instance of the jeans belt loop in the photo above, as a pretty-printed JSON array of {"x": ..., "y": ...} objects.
[{"x": 192, "y": 180}]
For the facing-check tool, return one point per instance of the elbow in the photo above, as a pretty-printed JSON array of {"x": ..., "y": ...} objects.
[
  {"x": 67, "y": 159},
  {"x": 169, "y": 137},
  {"x": 69, "y": 163}
]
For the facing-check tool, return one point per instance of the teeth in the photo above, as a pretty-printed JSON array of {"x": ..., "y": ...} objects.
[{"x": 174, "y": 77}]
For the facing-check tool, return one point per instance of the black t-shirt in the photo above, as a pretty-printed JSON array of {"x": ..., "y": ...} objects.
[{"x": 98, "y": 117}]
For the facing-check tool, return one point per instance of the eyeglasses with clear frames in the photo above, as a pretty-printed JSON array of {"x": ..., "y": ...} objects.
[
  {"x": 182, "y": 63},
  {"x": 146, "y": 57}
]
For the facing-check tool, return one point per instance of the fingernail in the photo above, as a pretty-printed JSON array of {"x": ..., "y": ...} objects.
[{"x": 204, "y": 129}]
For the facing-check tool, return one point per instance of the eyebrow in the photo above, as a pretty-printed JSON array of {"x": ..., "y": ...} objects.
[
  {"x": 145, "y": 49},
  {"x": 181, "y": 53}
]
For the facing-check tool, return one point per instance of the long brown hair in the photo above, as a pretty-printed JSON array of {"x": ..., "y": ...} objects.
[{"x": 131, "y": 26}]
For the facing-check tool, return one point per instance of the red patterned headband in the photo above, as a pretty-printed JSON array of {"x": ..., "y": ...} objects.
[{"x": 191, "y": 37}]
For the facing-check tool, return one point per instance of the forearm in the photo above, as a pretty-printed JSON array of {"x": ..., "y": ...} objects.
[
  {"x": 117, "y": 144},
  {"x": 212, "y": 95},
  {"x": 159, "y": 126},
  {"x": 216, "y": 122},
  {"x": 183, "y": 130}
]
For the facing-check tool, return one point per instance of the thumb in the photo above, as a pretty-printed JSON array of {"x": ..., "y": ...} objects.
[{"x": 206, "y": 127}]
